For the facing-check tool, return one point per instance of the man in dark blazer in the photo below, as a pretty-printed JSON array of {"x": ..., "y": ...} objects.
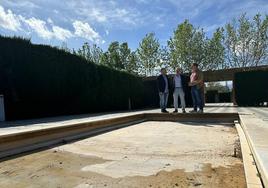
[
  {"x": 179, "y": 85},
  {"x": 163, "y": 89}
]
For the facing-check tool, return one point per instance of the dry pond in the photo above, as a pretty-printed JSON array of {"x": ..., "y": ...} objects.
[{"x": 148, "y": 154}]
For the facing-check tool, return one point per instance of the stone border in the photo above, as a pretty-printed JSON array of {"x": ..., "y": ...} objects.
[{"x": 17, "y": 143}]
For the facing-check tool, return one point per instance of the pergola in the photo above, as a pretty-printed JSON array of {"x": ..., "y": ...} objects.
[{"x": 228, "y": 75}]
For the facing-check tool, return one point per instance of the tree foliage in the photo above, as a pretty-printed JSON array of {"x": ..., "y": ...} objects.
[
  {"x": 214, "y": 51},
  {"x": 246, "y": 41},
  {"x": 90, "y": 53},
  {"x": 148, "y": 53},
  {"x": 118, "y": 56},
  {"x": 190, "y": 45},
  {"x": 240, "y": 43}
]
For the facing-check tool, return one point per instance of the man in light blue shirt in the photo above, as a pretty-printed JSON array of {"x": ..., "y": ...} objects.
[{"x": 179, "y": 84}]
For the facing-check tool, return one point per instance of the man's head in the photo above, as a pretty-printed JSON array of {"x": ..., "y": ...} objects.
[
  {"x": 178, "y": 71},
  {"x": 194, "y": 67},
  {"x": 163, "y": 71}
]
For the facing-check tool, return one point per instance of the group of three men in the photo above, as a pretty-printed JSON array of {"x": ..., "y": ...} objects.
[{"x": 179, "y": 85}]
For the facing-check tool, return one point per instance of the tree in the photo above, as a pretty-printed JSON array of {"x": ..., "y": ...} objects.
[
  {"x": 187, "y": 46},
  {"x": 64, "y": 47},
  {"x": 90, "y": 53},
  {"x": 260, "y": 40},
  {"x": 198, "y": 49},
  {"x": 120, "y": 57},
  {"x": 180, "y": 45},
  {"x": 114, "y": 56},
  {"x": 124, "y": 53},
  {"x": 84, "y": 52},
  {"x": 214, "y": 51},
  {"x": 148, "y": 53},
  {"x": 164, "y": 59},
  {"x": 190, "y": 45},
  {"x": 96, "y": 53},
  {"x": 246, "y": 41},
  {"x": 104, "y": 59},
  {"x": 132, "y": 65}
]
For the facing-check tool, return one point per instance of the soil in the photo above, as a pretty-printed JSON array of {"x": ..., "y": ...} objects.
[{"x": 63, "y": 167}]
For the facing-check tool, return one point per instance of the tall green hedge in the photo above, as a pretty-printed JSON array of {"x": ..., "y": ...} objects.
[
  {"x": 251, "y": 88},
  {"x": 39, "y": 81}
]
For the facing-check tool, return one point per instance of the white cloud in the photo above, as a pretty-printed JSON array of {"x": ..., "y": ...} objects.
[
  {"x": 20, "y": 3},
  {"x": 39, "y": 26},
  {"x": 109, "y": 13},
  {"x": 41, "y": 29},
  {"x": 84, "y": 30},
  {"x": 98, "y": 15},
  {"x": 8, "y": 20},
  {"x": 56, "y": 11},
  {"x": 46, "y": 29},
  {"x": 49, "y": 20},
  {"x": 107, "y": 32},
  {"x": 60, "y": 33}
]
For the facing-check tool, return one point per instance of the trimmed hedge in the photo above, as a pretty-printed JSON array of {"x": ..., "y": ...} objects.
[
  {"x": 211, "y": 96},
  {"x": 39, "y": 81},
  {"x": 225, "y": 97},
  {"x": 151, "y": 96},
  {"x": 251, "y": 88}
]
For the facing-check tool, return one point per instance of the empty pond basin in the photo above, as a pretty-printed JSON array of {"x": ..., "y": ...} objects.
[{"x": 148, "y": 154}]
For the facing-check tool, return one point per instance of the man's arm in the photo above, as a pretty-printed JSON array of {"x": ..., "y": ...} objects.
[
  {"x": 158, "y": 83},
  {"x": 200, "y": 78}
]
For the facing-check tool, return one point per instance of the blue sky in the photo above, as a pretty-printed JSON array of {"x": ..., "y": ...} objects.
[{"x": 103, "y": 21}]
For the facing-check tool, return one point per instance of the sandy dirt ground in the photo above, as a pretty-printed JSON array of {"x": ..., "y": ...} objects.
[{"x": 149, "y": 154}]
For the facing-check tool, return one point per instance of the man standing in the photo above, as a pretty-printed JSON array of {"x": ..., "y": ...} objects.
[
  {"x": 163, "y": 85},
  {"x": 196, "y": 83},
  {"x": 179, "y": 84}
]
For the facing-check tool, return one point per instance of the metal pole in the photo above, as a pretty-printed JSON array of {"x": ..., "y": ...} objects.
[{"x": 2, "y": 108}]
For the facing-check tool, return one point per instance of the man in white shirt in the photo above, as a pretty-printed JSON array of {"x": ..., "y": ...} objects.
[{"x": 179, "y": 83}]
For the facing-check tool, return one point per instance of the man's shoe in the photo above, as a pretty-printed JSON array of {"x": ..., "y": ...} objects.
[
  {"x": 200, "y": 111},
  {"x": 183, "y": 111},
  {"x": 193, "y": 111},
  {"x": 165, "y": 111},
  {"x": 175, "y": 111}
]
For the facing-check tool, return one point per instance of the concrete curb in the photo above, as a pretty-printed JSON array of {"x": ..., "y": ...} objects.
[
  {"x": 251, "y": 172},
  {"x": 255, "y": 133},
  {"x": 17, "y": 143}
]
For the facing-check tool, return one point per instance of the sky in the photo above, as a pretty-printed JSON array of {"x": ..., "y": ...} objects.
[{"x": 73, "y": 22}]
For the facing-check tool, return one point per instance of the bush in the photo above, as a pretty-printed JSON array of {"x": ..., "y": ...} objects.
[
  {"x": 251, "y": 88},
  {"x": 39, "y": 81}
]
